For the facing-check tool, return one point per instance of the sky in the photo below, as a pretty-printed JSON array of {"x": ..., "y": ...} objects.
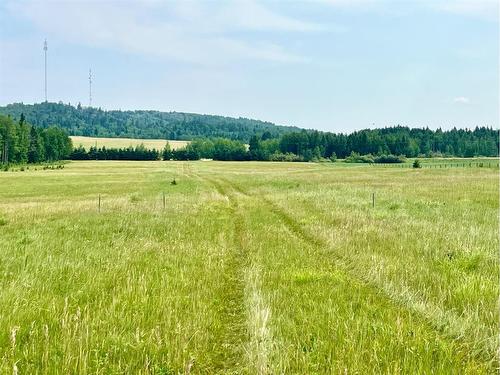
[{"x": 334, "y": 65}]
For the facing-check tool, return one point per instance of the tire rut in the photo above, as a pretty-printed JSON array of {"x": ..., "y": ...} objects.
[
  {"x": 232, "y": 335},
  {"x": 445, "y": 323},
  {"x": 257, "y": 340}
]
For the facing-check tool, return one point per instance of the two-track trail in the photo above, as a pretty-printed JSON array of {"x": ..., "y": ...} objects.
[
  {"x": 232, "y": 299},
  {"x": 253, "y": 339},
  {"x": 244, "y": 337}
]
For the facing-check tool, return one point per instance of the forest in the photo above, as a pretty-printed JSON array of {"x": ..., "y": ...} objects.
[
  {"x": 22, "y": 143},
  {"x": 95, "y": 122},
  {"x": 398, "y": 140}
]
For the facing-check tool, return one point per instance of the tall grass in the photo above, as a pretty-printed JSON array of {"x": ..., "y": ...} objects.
[{"x": 250, "y": 268}]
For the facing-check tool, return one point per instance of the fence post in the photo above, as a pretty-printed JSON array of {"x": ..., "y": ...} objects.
[
  {"x": 99, "y": 204},
  {"x": 373, "y": 200},
  {"x": 163, "y": 200}
]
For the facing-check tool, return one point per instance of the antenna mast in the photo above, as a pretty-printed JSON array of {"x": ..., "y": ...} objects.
[
  {"x": 90, "y": 87},
  {"x": 45, "y": 48}
]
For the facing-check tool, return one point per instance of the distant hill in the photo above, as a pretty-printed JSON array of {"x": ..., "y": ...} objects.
[{"x": 95, "y": 122}]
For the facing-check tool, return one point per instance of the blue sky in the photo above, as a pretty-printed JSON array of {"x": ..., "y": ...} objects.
[{"x": 334, "y": 65}]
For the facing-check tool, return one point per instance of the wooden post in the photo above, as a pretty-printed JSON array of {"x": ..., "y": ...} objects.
[
  {"x": 99, "y": 204},
  {"x": 163, "y": 200},
  {"x": 373, "y": 200}
]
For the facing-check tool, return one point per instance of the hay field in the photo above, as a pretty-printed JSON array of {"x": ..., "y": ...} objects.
[
  {"x": 251, "y": 268},
  {"x": 158, "y": 144}
]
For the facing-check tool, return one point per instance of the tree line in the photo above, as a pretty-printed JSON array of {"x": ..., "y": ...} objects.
[
  {"x": 389, "y": 145},
  {"x": 139, "y": 152},
  {"x": 482, "y": 141},
  {"x": 217, "y": 149},
  {"x": 21, "y": 143}
]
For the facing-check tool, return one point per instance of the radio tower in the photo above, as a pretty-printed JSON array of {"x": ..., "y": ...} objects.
[
  {"x": 90, "y": 87},
  {"x": 45, "y": 51}
]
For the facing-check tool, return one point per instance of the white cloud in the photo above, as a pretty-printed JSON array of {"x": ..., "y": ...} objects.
[
  {"x": 250, "y": 15},
  {"x": 477, "y": 8},
  {"x": 487, "y": 9},
  {"x": 196, "y": 32},
  {"x": 347, "y": 3},
  {"x": 461, "y": 100}
]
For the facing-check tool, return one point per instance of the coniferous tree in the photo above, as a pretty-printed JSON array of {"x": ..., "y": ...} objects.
[
  {"x": 255, "y": 151},
  {"x": 167, "y": 152}
]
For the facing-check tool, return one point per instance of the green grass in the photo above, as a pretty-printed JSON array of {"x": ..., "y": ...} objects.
[{"x": 250, "y": 268}]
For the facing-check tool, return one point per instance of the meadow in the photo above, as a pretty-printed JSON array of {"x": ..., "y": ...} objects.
[
  {"x": 157, "y": 144},
  {"x": 248, "y": 268}
]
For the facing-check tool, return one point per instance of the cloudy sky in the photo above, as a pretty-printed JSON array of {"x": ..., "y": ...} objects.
[{"x": 334, "y": 65}]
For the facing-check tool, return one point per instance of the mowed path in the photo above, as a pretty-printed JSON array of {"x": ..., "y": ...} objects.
[{"x": 375, "y": 332}]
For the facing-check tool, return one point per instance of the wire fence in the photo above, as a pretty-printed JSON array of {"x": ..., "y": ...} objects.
[{"x": 444, "y": 165}]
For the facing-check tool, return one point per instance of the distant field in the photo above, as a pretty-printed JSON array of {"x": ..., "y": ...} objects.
[
  {"x": 158, "y": 144},
  {"x": 248, "y": 268}
]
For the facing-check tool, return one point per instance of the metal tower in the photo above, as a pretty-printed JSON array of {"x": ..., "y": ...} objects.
[{"x": 45, "y": 48}]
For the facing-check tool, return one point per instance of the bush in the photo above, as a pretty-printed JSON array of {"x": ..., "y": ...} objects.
[
  {"x": 357, "y": 158},
  {"x": 436, "y": 154},
  {"x": 388, "y": 159},
  {"x": 416, "y": 164},
  {"x": 289, "y": 156}
]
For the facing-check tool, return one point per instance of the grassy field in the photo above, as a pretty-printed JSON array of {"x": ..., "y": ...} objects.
[
  {"x": 249, "y": 268},
  {"x": 158, "y": 144}
]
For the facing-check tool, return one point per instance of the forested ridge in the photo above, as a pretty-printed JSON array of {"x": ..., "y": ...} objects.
[{"x": 95, "y": 122}]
